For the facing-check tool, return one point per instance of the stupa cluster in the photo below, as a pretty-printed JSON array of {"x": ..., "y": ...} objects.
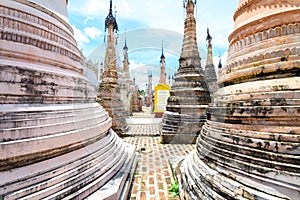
[
  {"x": 250, "y": 146},
  {"x": 56, "y": 140}
]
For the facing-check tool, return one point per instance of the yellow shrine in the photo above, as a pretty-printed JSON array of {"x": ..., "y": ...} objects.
[{"x": 161, "y": 95}]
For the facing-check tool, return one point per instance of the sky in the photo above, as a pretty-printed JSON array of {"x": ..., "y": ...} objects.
[{"x": 148, "y": 24}]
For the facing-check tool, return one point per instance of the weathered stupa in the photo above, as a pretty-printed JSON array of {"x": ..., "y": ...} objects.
[
  {"x": 162, "y": 77},
  {"x": 127, "y": 84},
  {"x": 126, "y": 61},
  {"x": 149, "y": 98},
  {"x": 109, "y": 91},
  {"x": 136, "y": 100},
  {"x": 210, "y": 72},
  {"x": 189, "y": 96},
  {"x": 55, "y": 140},
  {"x": 250, "y": 146}
]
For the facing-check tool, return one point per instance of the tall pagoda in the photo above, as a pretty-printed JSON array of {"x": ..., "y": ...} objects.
[
  {"x": 210, "y": 72},
  {"x": 109, "y": 91},
  {"x": 189, "y": 96}
]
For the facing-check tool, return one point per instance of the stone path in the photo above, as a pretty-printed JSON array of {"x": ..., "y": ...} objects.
[{"x": 153, "y": 175}]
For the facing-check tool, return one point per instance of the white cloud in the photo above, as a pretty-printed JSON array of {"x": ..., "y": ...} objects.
[
  {"x": 80, "y": 37},
  {"x": 92, "y": 32},
  {"x": 139, "y": 71},
  {"x": 155, "y": 14},
  {"x": 94, "y": 7},
  {"x": 166, "y": 14},
  {"x": 88, "y": 18},
  {"x": 134, "y": 65}
]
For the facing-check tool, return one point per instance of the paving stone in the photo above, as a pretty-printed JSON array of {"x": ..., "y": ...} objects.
[
  {"x": 154, "y": 167},
  {"x": 143, "y": 196},
  {"x": 153, "y": 175}
]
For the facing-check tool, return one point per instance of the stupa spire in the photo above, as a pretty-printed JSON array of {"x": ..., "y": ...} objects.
[
  {"x": 125, "y": 45},
  {"x": 126, "y": 61},
  {"x": 190, "y": 47},
  {"x": 208, "y": 37},
  {"x": 162, "y": 79},
  {"x": 220, "y": 63},
  {"x": 162, "y": 51},
  {"x": 210, "y": 72},
  {"x": 111, "y": 20}
]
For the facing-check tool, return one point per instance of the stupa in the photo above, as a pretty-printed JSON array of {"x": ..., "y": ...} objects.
[
  {"x": 210, "y": 72},
  {"x": 128, "y": 86},
  {"x": 250, "y": 146},
  {"x": 161, "y": 90},
  {"x": 162, "y": 77},
  {"x": 55, "y": 140},
  {"x": 136, "y": 100},
  {"x": 149, "y": 97},
  {"x": 109, "y": 91},
  {"x": 189, "y": 96},
  {"x": 126, "y": 61}
]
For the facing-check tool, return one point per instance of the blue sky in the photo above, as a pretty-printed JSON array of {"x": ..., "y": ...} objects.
[{"x": 148, "y": 18}]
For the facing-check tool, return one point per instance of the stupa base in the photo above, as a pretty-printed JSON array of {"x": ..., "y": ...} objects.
[
  {"x": 181, "y": 128},
  {"x": 205, "y": 180},
  {"x": 119, "y": 185}
]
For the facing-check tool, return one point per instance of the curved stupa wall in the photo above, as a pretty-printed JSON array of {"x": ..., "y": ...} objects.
[
  {"x": 250, "y": 146},
  {"x": 56, "y": 6},
  {"x": 55, "y": 140}
]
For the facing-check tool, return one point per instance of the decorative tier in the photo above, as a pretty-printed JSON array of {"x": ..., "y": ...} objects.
[{"x": 250, "y": 146}]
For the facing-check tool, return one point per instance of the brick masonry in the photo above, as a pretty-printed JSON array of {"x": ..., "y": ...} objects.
[{"x": 153, "y": 175}]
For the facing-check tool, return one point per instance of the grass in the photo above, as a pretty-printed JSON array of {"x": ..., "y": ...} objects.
[{"x": 174, "y": 189}]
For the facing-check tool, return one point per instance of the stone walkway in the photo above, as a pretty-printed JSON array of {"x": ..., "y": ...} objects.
[{"x": 153, "y": 175}]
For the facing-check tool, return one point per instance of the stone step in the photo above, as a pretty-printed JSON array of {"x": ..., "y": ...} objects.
[
  {"x": 177, "y": 120},
  {"x": 270, "y": 149},
  {"x": 19, "y": 179},
  {"x": 59, "y": 142},
  {"x": 280, "y": 137},
  {"x": 22, "y": 111},
  {"x": 118, "y": 187},
  {"x": 240, "y": 100},
  {"x": 65, "y": 125},
  {"x": 165, "y": 132},
  {"x": 239, "y": 158},
  {"x": 178, "y": 138},
  {"x": 183, "y": 127},
  {"x": 49, "y": 118},
  {"x": 226, "y": 183},
  {"x": 67, "y": 174},
  {"x": 257, "y": 111},
  {"x": 67, "y": 187},
  {"x": 277, "y": 176}
]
